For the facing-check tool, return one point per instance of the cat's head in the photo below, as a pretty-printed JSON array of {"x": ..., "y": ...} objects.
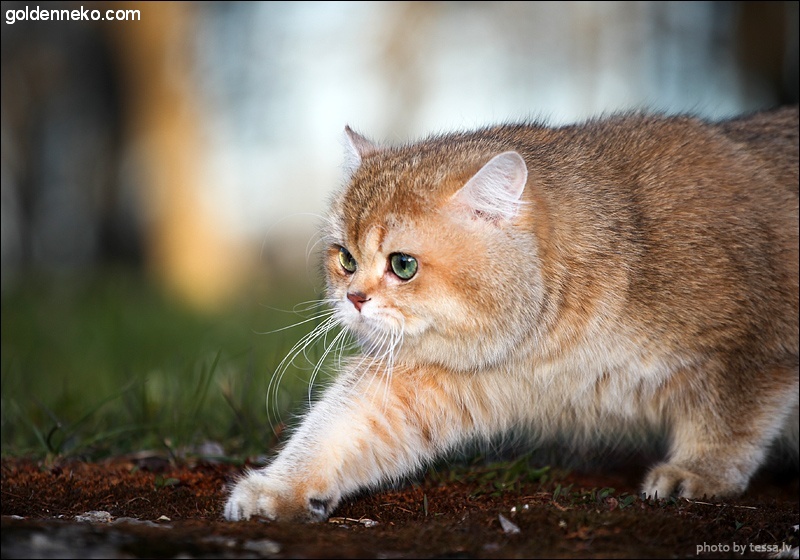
[{"x": 425, "y": 256}]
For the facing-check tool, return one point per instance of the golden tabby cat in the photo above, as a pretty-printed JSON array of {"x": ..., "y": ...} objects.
[{"x": 625, "y": 275}]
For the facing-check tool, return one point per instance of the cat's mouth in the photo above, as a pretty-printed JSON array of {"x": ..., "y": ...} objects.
[
  {"x": 377, "y": 323},
  {"x": 377, "y": 338},
  {"x": 374, "y": 325}
]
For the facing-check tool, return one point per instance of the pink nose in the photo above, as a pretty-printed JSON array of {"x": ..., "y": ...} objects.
[{"x": 358, "y": 299}]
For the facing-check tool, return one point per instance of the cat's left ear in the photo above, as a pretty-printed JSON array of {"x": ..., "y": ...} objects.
[
  {"x": 357, "y": 147},
  {"x": 494, "y": 192}
]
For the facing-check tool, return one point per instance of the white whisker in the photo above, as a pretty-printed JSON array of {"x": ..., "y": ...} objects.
[
  {"x": 377, "y": 348},
  {"x": 396, "y": 341},
  {"x": 310, "y": 248},
  {"x": 374, "y": 353},
  {"x": 301, "y": 307},
  {"x": 313, "y": 318},
  {"x": 299, "y": 347},
  {"x": 316, "y": 369}
]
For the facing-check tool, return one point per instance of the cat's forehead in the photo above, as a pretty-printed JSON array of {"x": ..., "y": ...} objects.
[
  {"x": 383, "y": 234},
  {"x": 399, "y": 186},
  {"x": 394, "y": 184}
]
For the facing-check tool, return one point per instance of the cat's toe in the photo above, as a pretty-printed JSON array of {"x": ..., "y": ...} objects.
[
  {"x": 253, "y": 496},
  {"x": 667, "y": 480},
  {"x": 276, "y": 499},
  {"x": 319, "y": 509}
]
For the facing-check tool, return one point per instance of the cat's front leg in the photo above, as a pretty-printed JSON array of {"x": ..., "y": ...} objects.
[{"x": 366, "y": 430}]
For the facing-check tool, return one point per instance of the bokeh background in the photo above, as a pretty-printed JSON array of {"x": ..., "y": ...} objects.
[{"x": 163, "y": 176}]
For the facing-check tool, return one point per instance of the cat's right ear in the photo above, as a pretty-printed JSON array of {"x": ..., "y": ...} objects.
[
  {"x": 494, "y": 193},
  {"x": 357, "y": 147}
]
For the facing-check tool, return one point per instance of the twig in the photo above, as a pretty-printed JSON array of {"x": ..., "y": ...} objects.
[{"x": 718, "y": 505}]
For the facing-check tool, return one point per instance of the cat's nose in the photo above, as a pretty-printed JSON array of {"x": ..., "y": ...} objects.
[{"x": 358, "y": 299}]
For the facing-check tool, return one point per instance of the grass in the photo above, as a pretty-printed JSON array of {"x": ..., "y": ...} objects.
[
  {"x": 105, "y": 363},
  {"x": 493, "y": 478}
]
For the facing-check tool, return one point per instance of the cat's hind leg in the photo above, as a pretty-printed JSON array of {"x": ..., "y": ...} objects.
[{"x": 721, "y": 437}]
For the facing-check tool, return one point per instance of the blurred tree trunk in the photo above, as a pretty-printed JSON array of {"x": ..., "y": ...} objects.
[{"x": 185, "y": 246}]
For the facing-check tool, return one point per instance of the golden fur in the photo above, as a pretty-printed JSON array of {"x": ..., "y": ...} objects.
[{"x": 626, "y": 275}]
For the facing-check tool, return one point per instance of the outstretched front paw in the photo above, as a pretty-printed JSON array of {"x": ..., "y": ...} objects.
[{"x": 262, "y": 495}]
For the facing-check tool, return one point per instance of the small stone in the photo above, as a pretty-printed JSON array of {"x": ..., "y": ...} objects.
[
  {"x": 509, "y": 527},
  {"x": 263, "y": 547},
  {"x": 93, "y": 517}
]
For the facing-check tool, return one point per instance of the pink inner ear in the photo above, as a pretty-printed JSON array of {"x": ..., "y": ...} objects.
[{"x": 495, "y": 191}]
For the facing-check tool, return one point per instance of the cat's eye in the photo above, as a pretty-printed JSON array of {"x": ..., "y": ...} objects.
[
  {"x": 346, "y": 260},
  {"x": 404, "y": 266}
]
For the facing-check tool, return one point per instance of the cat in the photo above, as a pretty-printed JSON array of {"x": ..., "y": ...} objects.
[{"x": 629, "y": 274}]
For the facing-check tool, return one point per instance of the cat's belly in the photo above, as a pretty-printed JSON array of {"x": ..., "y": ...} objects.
[{"x": 605, "y": 384}]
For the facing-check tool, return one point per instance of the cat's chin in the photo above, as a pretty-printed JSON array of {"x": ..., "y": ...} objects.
[
  {"x": 376, "y": 335},
  {"x": 379, "y": 326},
  {"x": 419, "y": 344}
]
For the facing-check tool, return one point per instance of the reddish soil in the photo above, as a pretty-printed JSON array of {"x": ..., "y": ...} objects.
[{"x": 156, "y": 508}]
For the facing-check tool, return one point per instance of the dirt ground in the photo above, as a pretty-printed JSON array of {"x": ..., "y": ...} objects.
[{"x": 146, "y": 506}]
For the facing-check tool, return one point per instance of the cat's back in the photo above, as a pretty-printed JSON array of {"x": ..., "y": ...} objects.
[
  {"x": 675, "y": 153},
  {"x": 629, "y": 146},
  {"x": 771, "y": 136},
  {"x": 692, "y": 225},
  {"x": 663, "y": 181}
]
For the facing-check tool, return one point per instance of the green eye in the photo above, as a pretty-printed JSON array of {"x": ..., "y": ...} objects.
[
  {"x": 346, "y": 260},
  {"x": 404, "y": 266}
]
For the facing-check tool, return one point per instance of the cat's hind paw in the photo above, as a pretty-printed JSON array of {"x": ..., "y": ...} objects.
[{"x": 667, "y": 480}]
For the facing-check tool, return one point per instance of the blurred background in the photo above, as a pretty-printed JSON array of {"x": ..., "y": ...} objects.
[{"x": 163, "y": 173}]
